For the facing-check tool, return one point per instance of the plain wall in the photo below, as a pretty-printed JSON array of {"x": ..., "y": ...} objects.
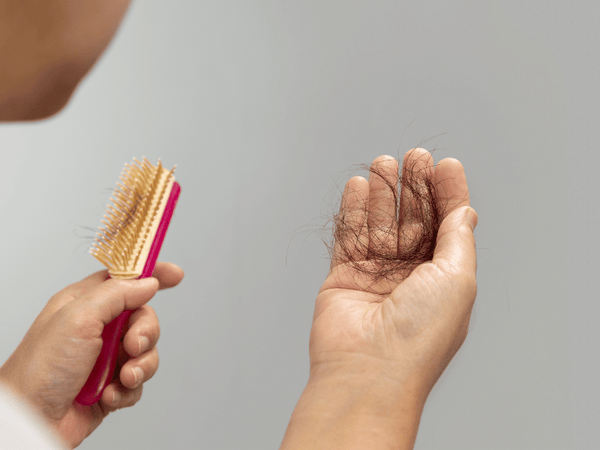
[{"x": 264, "y": 106}]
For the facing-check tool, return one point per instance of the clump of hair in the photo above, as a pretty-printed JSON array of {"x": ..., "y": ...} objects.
[{"x": 396, "y": 250}]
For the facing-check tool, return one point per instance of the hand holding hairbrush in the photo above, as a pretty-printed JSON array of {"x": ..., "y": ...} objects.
[{"x": 128, "y": 245}]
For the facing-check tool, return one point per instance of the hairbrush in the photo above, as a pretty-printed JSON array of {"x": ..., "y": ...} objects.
[{"x": 128, "y": 245}]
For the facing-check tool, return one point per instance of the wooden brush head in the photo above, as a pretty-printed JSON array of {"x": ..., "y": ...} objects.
[{"x": 132, "y": 222}]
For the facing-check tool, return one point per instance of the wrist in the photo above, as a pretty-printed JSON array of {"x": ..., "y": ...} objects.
[{"x": 357, "y": 408}]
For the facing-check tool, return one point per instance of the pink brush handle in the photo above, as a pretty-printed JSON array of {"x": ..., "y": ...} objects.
[{"x": 103, "y": 370}]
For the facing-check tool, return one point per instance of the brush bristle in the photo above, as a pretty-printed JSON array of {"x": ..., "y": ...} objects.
[{"x": 132, "y": 221}]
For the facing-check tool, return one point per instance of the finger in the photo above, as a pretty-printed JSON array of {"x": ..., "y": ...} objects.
[
  {"x": 117, "y": 396},
  {"x": 351, "y": 233},
  {"x": 382, "y": 219},
  {"x": 448, "y": 281},
  {"x": 417, "y": 170},
  {"x": 451, "y": 185},
  {"x": 143, "y": 331},
  {"x": 167, "y": 274},
  {"x": 72, "y": 291},
  {"x": 109, "y": 299},
  {"x": 139, "y": 370},
  {"x": 454, "y": 253}
]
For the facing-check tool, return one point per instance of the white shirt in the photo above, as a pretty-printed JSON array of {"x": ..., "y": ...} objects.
[{"x": 21, "y": 428}]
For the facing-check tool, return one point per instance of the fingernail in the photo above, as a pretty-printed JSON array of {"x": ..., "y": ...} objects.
[
  {"x": 471, "y": 216},
  {"x": 143, "y": 343},
  {"x": 116, "y": 397},
  {"x": 138, "y": 374}
]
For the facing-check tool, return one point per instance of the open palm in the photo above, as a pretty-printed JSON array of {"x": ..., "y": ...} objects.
[{"x": 409, "y": 323}]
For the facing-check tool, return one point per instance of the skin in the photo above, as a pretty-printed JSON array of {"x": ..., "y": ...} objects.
[
  {"x": 46, "y": 48},
  {"x": 56, "y": 356},
  {"x": 375, "y": 354}
]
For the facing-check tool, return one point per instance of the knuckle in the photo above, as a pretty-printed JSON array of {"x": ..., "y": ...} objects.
[
  {"x": 150, "y": 364},
  {"x": 132, "y": 398},
  {"x": 137, "y": 395},
  {"x": 152, "y": 325},
  {"x": 152, "y": 370},
  {"x": 145, "y": 323}
]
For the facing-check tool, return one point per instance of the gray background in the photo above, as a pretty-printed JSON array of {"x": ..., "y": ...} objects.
[{"x": 264, "y": 106}]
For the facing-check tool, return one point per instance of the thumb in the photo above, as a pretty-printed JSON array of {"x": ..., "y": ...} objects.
[
  {"x": 110, "y": 298},
  {"x": 455, "y": 247}
]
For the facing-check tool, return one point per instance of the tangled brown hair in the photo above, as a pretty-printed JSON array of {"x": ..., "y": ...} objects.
[{"x": 399, "y": 239}]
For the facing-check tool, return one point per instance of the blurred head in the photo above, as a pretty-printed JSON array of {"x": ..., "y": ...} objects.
[{"x": 48, "y": 48}]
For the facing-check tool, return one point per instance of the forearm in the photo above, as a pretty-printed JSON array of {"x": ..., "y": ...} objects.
[
  {"x": 46, "y": 48},
  {"x": 353, "y": 411}
]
